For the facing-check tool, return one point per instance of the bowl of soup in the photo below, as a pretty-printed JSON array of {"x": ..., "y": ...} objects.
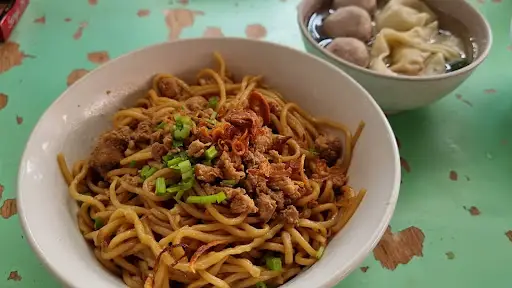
[{"x": 406, "y": 53}]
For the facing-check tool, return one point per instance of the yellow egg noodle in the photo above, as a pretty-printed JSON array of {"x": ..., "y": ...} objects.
[{"x": 216, "y": 183}]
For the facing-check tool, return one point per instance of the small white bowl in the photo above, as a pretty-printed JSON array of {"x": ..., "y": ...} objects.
[
  {"x": 77, "y": 117},
  {"x": 399, "y": 93}
]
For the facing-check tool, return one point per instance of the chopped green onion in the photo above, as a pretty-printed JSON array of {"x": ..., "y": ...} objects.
[
  {"x": 178, "y": 125},
  {"x": 184, "y": 186},
  {"x": 181, "y": 187},
  {"x": 133, "y": 163},
  {"x": 182, "y": 127},
  {"x": 212, "y": 119},
  {"x": 98, "y": 223},
  {"x": 187, "y": 175},
  {"x": 151, "y": 171},
  {"x": 147, "y": 171},
  {"x": 177, "y": 143},
  {"x": 273, "y": 263},
  {"x": 208, "y": 199},
  {"x": 174, "y": 188},
  {"x": 228, "y": 182},
  {"x": 212, "y": 102},
  {"x": 183, "y": 132},
  {"x": 174, "y": 161},
  {"x": 261, "y": 285},
  {"x": 207, "y": 162},
  {"x": 320, "y": 252},
  {"x": 185, "y": 166},
  {"x": 144, "y": 170},
  {"x": 160, "y": 186},
  {"x": 179, "y": 195},
  {"x": 161, "y": 125},
  {"x": 188, "y": 184},
  {"x": 221, "y": 197},
  {"x": 183, "y": 119},
  {"x": 183, "y": 155},
  {"x": 210, "y": 153}
]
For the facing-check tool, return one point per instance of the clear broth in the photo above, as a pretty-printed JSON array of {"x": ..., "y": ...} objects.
[{"x": 449, "y": 26}]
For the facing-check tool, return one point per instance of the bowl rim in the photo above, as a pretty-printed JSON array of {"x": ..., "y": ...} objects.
[
  {"x": 335, "y": 278},
  {"x": 475, "y": 63}
]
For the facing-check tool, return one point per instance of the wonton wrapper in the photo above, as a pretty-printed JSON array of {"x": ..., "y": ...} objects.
[
  {"x": 450, "y": 41},
  {"x": 410, "y": 53},
  {"x": 434, "y": 65},
  {"x": 404, "y": 15},
  {"x": 368, "y": 5}
]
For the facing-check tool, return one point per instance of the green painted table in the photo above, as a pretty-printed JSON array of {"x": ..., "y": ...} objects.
[{"x": 453, "y": 223}]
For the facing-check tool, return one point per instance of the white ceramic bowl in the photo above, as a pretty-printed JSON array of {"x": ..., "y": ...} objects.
[
  {"x": 77, "y": 117},
  {"x": 399, "y": 93}
]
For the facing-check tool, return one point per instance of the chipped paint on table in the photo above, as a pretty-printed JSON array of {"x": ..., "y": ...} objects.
[{"x": 453, "y": 222}]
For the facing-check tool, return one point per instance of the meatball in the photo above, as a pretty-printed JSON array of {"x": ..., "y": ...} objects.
[
  {"x": 351, "y": 21},
  {"x": 351, "y": 50},
  {"x": 368, "y": 5},
  {"x": 329, "y": 148},
  {"x": 169, "y": 88}
]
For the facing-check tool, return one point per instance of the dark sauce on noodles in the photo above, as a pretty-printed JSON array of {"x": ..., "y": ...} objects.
[{"x": 451, "y": 26}]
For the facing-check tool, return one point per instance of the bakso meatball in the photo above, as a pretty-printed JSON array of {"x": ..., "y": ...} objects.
[
  {"x": 351, "y": 50},
  {"x": 368, "y": 5},
  {"x": 351, "y": 21},
  {"x": 169, "y": 87}
]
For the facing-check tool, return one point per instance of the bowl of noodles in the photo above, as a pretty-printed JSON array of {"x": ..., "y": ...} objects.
[{"x": 209, "y": 163}]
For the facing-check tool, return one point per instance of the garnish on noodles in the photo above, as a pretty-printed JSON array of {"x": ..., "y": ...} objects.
[{"x": 213, "y": 183}]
